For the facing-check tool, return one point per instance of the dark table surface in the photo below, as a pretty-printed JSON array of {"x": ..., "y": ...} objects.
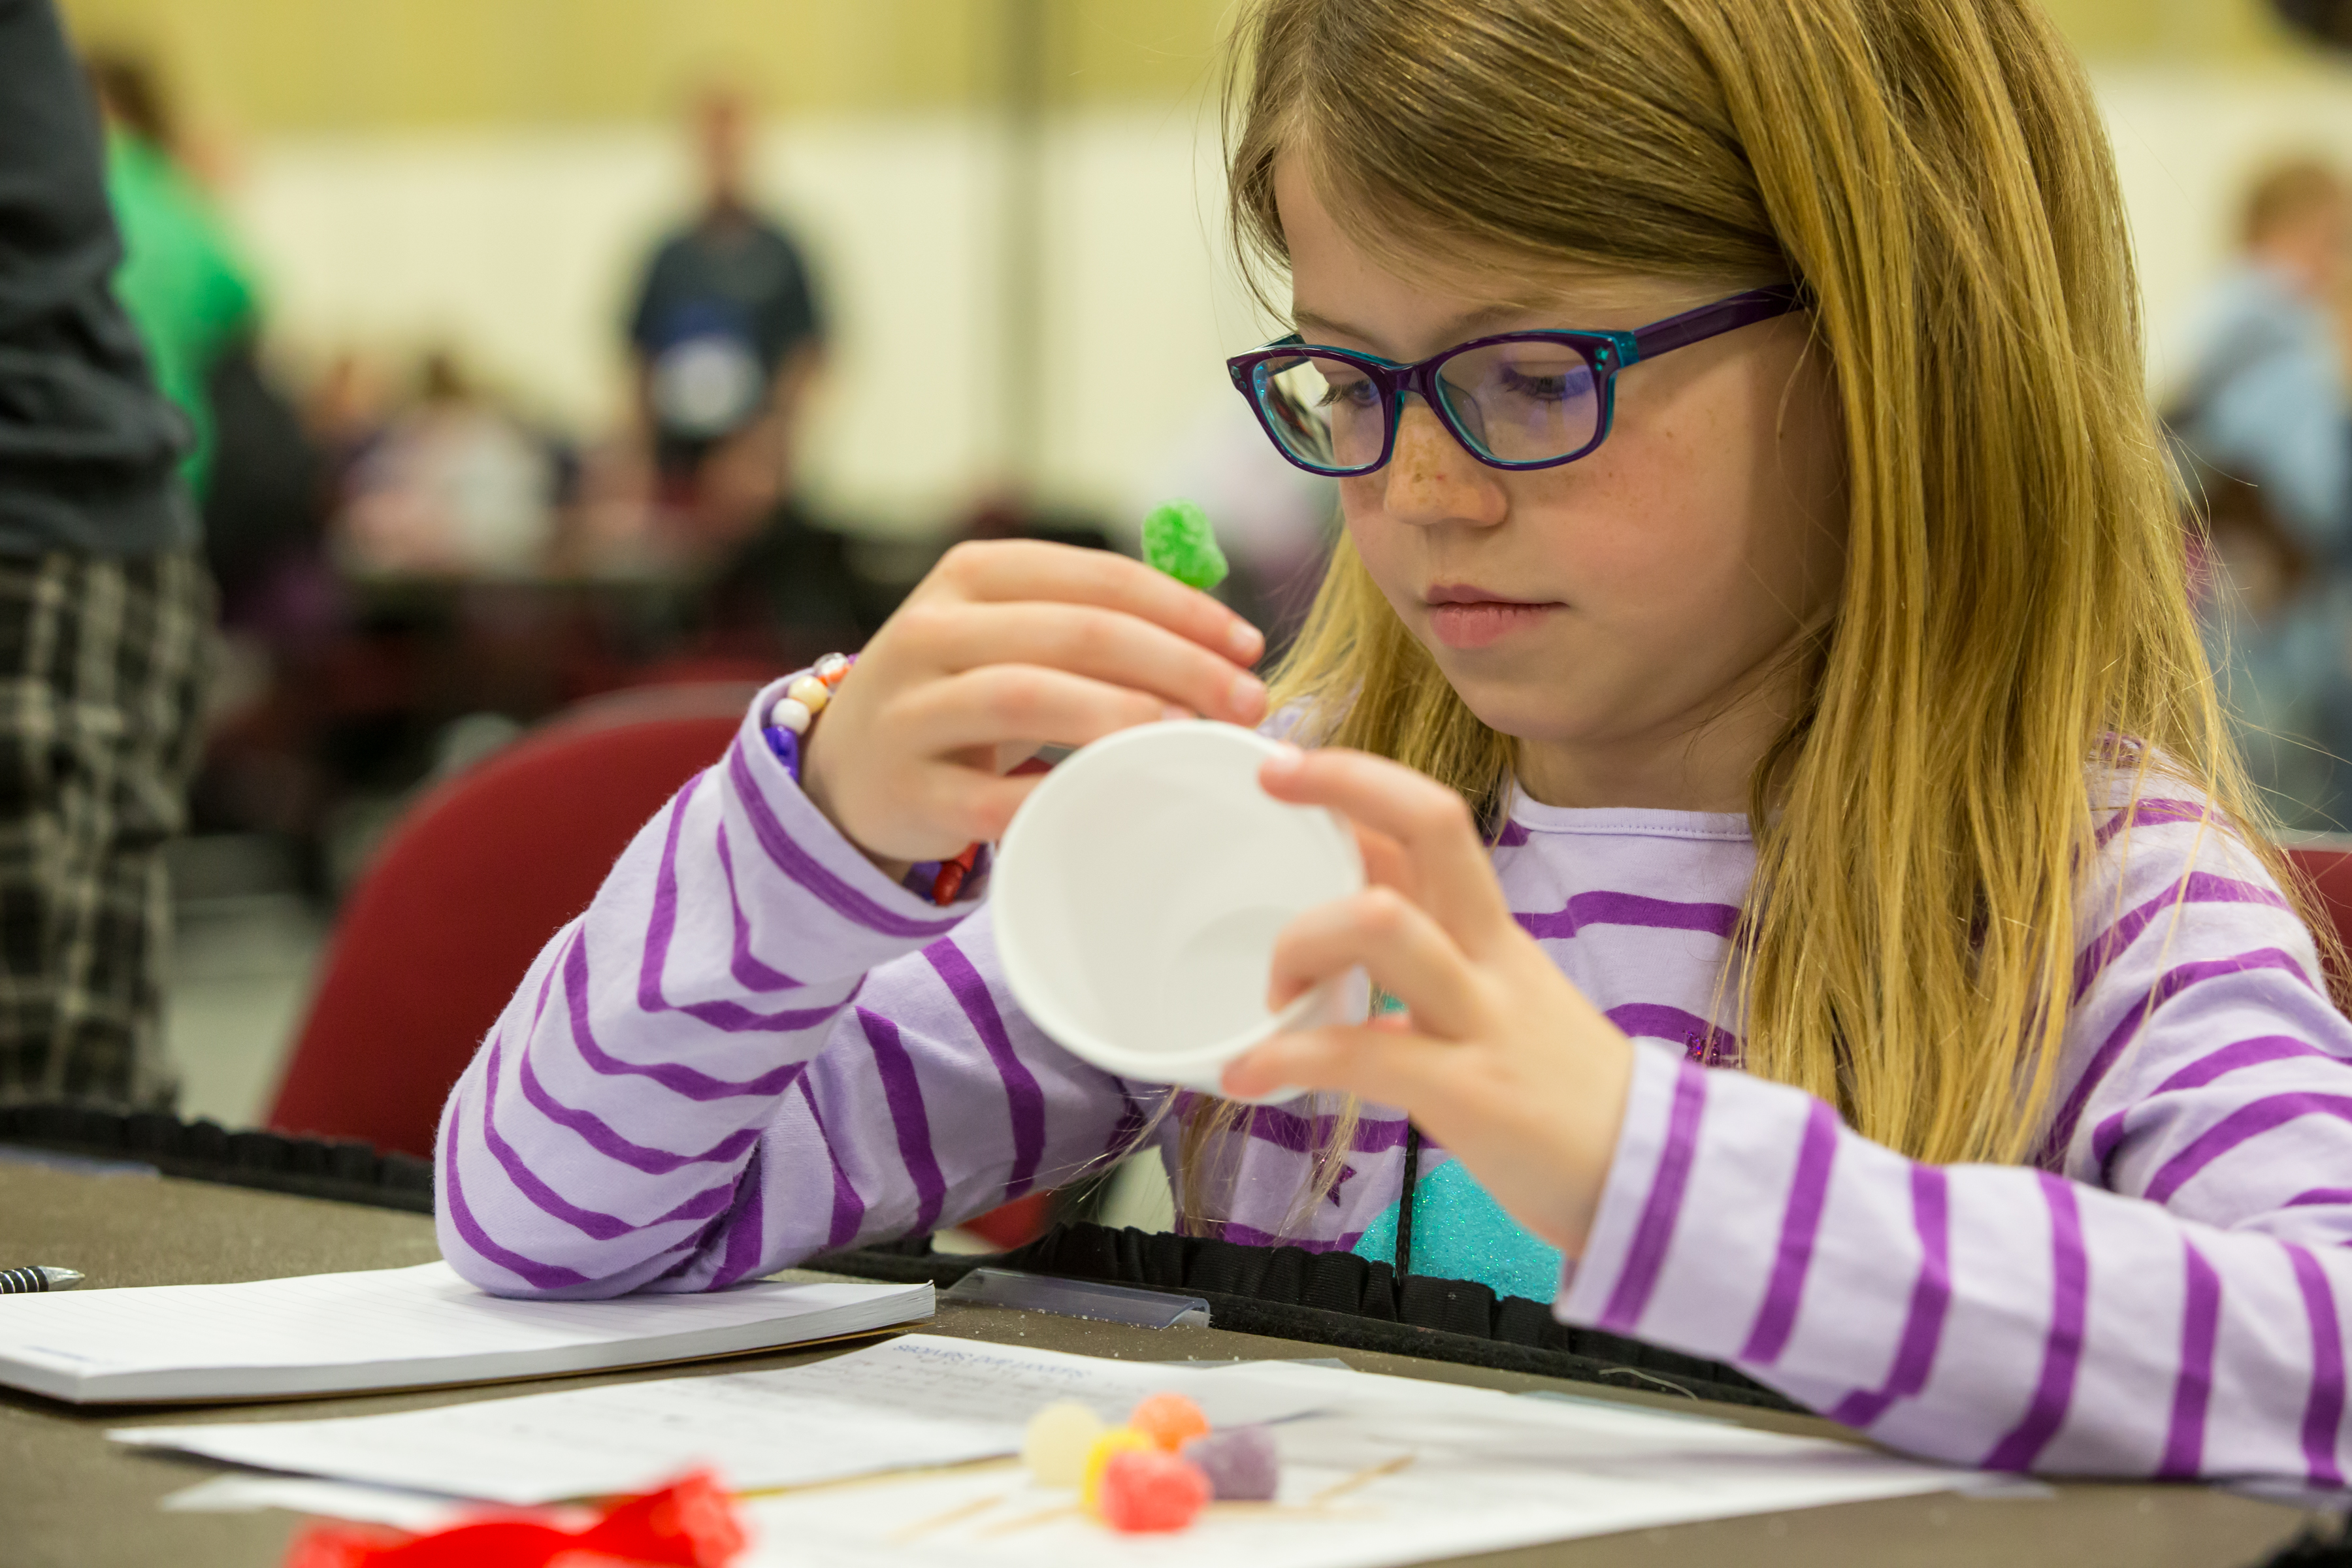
[{"x": 71, "y": 1498}]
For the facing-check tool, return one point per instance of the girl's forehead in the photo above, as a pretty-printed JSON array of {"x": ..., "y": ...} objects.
[
  {"x": 1411, "y": 313},
  {"x": 1377, "y": 280}
]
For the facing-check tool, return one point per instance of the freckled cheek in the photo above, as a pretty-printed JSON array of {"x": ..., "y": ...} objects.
[
  {"x": 1615, "y": 531},
  {"x": 1385, "y": 545},
  {"x": 1651, "y": 516}
]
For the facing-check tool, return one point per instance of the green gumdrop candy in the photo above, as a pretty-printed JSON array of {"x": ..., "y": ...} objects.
[{"x": 1178, "y": 540}]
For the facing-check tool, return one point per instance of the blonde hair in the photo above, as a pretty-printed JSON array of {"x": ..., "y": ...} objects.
[{"x": 2014, "y": 611}]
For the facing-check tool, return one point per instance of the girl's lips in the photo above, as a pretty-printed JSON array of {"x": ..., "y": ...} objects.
[{"x": 1475, "y": 625}]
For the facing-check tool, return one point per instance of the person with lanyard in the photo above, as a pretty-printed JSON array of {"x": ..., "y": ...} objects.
[
  {"x": 105, "y": 609},
  {"x": 728, "y": 342}
]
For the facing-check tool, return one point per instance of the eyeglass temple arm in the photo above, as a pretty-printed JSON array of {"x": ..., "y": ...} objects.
[{"x": 1711, "y": 320}]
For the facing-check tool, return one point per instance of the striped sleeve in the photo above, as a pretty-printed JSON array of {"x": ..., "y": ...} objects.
[
  {"x": 2164, "y": 1295},
  {"x": 751, "y": 1047}
]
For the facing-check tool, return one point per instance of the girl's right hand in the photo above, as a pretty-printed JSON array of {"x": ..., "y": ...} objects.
[{"x": 1007, "y": 645}]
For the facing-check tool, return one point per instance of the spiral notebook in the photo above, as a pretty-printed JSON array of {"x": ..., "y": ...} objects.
[{"x": 396, "y": 1328}]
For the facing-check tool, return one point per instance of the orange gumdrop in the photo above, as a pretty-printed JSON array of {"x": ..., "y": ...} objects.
[{"x": 1169, "y": 1420}]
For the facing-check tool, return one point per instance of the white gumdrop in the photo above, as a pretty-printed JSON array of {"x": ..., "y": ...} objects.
[
  {"x": 788, "y": 715},
  {"x": 1056, "y": 1445}
]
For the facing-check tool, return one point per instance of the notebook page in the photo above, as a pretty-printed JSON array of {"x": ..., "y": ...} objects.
[
  {"x": 919, "y": 1400},
  {"x": 384, "y": 1317}
]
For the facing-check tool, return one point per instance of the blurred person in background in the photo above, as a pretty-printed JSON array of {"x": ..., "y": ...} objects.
[
  {"x": 728, "y": 342},
  {"x": 455, "y": 485},
  {"x": 180, "y": 279},
  {"x": 2266, "y": 421},
  {"x": 104, "y": 607}
]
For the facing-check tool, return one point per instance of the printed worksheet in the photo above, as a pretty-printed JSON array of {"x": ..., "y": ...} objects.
[
  {"x": 1381, "y": 1472},
  {"x": 919, "y": 1400}
]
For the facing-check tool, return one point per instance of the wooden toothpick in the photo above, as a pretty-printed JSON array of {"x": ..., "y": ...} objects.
[
  {"x": 1363, "y": 1477},
  {"x": 1043, "y": 1516},
  {"x": 956, "y": 1515},
  {"x": 884, "y": 1477}
]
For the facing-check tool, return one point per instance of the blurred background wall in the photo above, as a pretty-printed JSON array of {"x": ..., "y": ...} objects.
[{"x": 486, "y": 172}]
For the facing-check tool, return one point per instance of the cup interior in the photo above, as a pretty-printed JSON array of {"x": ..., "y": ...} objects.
[{"x": 1139, "y": 892}]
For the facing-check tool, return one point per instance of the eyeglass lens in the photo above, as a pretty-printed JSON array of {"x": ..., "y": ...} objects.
[{"x": 1517, "y": 402}]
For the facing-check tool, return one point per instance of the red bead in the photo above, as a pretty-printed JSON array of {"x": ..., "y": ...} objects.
[{"x": 952, "y": 875}]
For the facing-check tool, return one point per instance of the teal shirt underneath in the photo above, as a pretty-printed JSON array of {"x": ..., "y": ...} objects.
[{"x": 1460, "y": 1232}]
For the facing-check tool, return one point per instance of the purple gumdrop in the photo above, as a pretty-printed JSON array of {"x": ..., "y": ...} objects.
[{"x": 1240, "y": 1463}]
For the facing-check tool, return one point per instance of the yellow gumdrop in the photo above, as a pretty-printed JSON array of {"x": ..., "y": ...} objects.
[
  {"x": 1118, "y": 1440},
  {"x": 1058, "y": 1439}
]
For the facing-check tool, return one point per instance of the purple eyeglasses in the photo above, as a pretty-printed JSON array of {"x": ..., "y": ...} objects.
[{"x": 1516, "y": 400}]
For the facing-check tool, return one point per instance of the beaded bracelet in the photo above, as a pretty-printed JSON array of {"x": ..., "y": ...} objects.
[{"x": 808, "y": 694}]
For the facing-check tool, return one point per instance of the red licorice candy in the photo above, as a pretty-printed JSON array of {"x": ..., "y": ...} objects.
[{"x": 690, "y": 1523}]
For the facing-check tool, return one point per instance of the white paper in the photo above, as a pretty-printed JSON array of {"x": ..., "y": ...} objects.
[
  {"x": 240, "y": 1493},
  {"x": 1486, "y": 1472},
  {"x": 394, "y": 1328},
  {"x": 919, "y": 1400}
]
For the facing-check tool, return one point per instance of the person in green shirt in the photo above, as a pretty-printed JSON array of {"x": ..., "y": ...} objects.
[{"x": 187, "y": 292}]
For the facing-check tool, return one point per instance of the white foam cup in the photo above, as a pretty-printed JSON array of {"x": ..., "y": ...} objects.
[{"x": 1138, "y": 894}]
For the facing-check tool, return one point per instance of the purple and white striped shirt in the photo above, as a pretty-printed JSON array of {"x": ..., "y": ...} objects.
[{"x": 753, "y": 1047}]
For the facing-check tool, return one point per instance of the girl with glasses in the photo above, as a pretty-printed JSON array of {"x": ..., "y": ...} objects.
[{"x": 1834, "y": 933}]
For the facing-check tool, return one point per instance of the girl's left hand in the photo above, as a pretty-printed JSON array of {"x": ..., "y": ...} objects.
[{"x": 1503, "y": 1061}]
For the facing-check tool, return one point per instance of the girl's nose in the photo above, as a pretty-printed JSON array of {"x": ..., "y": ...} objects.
[{"x": 1432, "y": 481}]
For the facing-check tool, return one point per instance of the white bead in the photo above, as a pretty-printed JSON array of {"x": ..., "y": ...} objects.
[
  {"x": 788, "y": 715},
  {"x": 831, "y": 667},
  {"x": 809, "y": 693}
]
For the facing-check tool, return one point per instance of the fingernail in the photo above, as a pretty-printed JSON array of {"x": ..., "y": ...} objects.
[
  {"x": 1246, "y": 641},
  {"x": 1172, "y": 712},
  {"x": 1248, "y": 695},
  {"x": 1286, "y": 757}
]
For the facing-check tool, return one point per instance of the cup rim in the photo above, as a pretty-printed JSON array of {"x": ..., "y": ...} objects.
[{"x": 1157, "y": 1067}]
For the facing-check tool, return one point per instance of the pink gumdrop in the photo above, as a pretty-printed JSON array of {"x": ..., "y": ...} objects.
[
  {"x": 1240, "y": 1462},
  {"x": 1145, "y": 1490}
]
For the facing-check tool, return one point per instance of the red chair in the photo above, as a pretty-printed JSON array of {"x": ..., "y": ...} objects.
[
  {"x": 2326, "y": 861},
  {"x": 476, "y": 879}
]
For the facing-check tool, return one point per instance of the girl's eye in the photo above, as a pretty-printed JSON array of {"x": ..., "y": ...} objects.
[
  {"x": 1349, "y": 392},
  {"x": 1547, "y": 387}
]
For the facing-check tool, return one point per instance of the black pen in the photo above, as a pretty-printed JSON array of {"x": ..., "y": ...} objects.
[{"x": 35, "y": 1278}]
